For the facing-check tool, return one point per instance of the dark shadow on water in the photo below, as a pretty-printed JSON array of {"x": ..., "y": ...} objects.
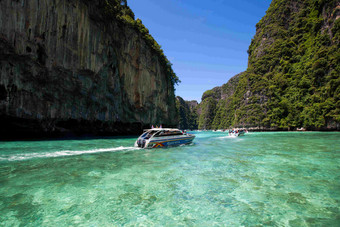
[{"x": 66, "y": 138}]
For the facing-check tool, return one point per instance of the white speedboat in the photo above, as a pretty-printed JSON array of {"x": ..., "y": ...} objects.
[
  {"x": 163, "y": 137},
  {"x": 237, "y": 132}
]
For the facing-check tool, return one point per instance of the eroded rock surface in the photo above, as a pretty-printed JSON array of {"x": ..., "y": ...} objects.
[{"x": 65, "y": 70}]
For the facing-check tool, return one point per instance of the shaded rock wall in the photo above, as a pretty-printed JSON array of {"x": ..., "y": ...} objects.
[{"x": 63, "y": 69}]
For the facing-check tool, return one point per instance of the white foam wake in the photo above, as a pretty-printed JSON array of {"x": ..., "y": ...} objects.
[
  {"x": 228, "y": 137},
  {"x": 20, "y": 157}
]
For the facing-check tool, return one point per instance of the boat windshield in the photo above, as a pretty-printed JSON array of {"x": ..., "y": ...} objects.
[
  {"x": 169, "y": 133},
  {"x": 144, "y": 134},
  {"x": 150, "y": 133}
]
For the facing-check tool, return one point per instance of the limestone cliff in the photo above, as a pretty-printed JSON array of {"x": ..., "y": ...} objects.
[
  {"x": 215, "y": 105},
  {"x": 187, "y": 113},
  {"x": 293, "y": 75},
  {"x": 65, "y": 68}
]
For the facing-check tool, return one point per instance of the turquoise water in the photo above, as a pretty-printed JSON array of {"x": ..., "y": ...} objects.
[{"x": 269, "y": 179}]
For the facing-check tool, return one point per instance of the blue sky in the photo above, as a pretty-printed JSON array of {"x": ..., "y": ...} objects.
[{"x": 206, "y": 41}]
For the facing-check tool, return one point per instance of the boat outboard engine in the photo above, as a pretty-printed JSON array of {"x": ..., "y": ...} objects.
[{"x": 141, "y": 143}]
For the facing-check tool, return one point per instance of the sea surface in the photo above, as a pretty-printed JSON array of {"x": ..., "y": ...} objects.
[{"x": 260, "y": 179}]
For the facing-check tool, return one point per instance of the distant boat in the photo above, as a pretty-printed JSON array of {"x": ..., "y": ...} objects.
[
  {"x": 163, "y": 137},
  {"x": 237, "y": 132}
]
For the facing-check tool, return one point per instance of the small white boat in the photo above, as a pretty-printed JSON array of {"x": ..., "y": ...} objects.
[
  {"x": 163, "y": 137},
  {"x": 237, "y": 132}
]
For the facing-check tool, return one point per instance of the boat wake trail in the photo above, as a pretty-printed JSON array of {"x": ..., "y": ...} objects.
[
  {"x": 227, "y": 137},
  {"x": 27, "y": 156}
]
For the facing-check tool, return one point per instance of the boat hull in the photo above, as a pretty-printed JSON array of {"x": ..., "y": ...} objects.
[
  {"x": 169, "y": 142},
  {"x": 167, "y": 137}
]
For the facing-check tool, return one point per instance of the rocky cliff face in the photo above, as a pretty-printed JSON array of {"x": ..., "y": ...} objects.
[
  {"x": 187, "y": 113},
  {"x": 215, "y": 105},
  {"x": 293, "y": 74},
  {"x": 65, "y": 69}
]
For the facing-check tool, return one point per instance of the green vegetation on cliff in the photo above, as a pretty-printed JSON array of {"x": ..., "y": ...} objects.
[
  {"x": 187, "y": 112},
  {"x": 216, "y": 104},
  {"x": 293, "y": 78}
]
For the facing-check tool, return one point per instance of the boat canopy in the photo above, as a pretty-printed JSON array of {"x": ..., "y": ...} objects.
[{"x": 161, "y": 129}]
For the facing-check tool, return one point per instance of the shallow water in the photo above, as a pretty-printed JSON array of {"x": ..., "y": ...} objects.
[{"x": 270, "y": 179}]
